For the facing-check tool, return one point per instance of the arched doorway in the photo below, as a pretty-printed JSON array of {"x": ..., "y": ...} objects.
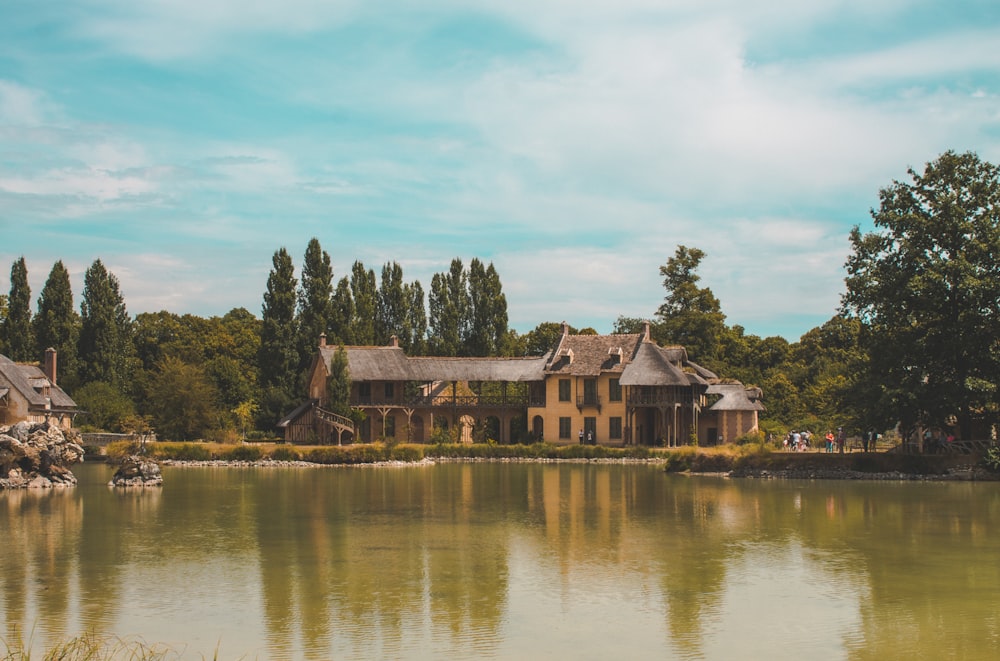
[{"x": 538, "y": 428}]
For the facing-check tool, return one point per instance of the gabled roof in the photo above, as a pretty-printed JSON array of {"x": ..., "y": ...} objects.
[
  {"x": 656, "y": 366},
  {"x": 735, "y": 397},
  {"x": 392, "y": 364},
  {"x": 24, "y": 379}
]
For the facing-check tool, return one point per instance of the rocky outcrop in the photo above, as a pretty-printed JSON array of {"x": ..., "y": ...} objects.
[
  {"x": 37, "y": 456},
  {"x": 136, "y": 471}
]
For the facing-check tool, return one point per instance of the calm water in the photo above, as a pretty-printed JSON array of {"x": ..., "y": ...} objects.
[{"x": 526, "y": 561}]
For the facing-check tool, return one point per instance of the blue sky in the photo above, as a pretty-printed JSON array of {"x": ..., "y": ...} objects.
[{"x": 573, "y": 144}]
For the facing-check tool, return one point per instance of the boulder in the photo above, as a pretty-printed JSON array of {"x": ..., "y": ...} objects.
[
  {"x": 37, "y": 456},
  {"x": 136, "y": 471}
]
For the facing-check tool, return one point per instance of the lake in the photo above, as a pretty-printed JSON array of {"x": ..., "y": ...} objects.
[{"x": 509, "y": 561}]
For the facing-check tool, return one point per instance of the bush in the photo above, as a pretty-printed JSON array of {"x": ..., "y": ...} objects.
[
  {"x": 991, "y": 460},
  {"x": 179, "y": 451},
  {"x": 243, "y": 453},
  {"x": 284, "y": 453}
]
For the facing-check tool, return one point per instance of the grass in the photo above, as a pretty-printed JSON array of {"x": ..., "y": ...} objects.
[{"x": 90, "y": 647}]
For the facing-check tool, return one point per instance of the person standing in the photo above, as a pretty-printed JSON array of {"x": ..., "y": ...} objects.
[{"x": 581, "y": 435}]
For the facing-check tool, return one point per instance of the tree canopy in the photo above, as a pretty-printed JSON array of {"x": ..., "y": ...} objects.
[{"x": 925, "y": 283}]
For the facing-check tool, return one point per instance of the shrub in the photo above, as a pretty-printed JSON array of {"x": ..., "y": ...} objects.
[
  {"x": 991, "y": 460},
  {"x": 243, "y": 453},
  {"x": 179, "y": 451},
  {"x": 284, "y": 453}
]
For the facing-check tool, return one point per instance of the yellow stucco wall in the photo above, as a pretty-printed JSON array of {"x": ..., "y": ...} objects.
[{"x": 556, "y": 409}]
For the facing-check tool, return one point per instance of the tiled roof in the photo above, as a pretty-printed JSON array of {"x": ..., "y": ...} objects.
[
  {"x": 735, "y": 397},
  {"x": 591, "y": 355}
]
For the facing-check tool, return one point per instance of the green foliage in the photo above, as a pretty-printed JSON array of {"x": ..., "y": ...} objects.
[
  {"x": 104, "y": 407},
  {"x": 284, "y": 453},
  {"x": 991, "y": 460},
  {"x": 338, "y": 385},
  {"x": 16, "y": 329},
  {"x": 277, "y": 357},
  {"x": 364, "y": 291},
  {"x": 690, "y": 316},
  {"x": 242, "y": 453},
  {"x": 182, "y": 401},
  {"x": 544, "y": 337},
  {"x": 106, "y": 349},
  {"x": 924, "y": 285},
  {"x": 315, "y": 305},
  {"x": 57, "y": 324}
]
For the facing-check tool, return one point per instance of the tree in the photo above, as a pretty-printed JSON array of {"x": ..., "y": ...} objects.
[
  {"x": 277, "y": 358},
  {"x": 690, "y": 315},
  {"x": 106, "y": 350},
  {"x": 105, "y": 407},
  {"x": 392, "y": 307},
  {"x": 315, "y": 302},
  {"x": 544, "y": 338},
  {"x": 183, "y": 401},
  {"x": 343, "y": 314},
  {"x": 57, "y": 325},
  {"x": 487, "y": 325},
  {"x": 925, "y": 284},
  {"x": 338, "y": 385},
  {"x": 364, "y": 292},
  {"x": 416, "y": 343},
  {"x": 449, "y": 317},
  {"x": 18, "y": 338}
]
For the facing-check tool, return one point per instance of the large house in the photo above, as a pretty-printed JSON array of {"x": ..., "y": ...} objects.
[
  {"x": 28, "y": 393},
  {"x": 603, "y": 389}
]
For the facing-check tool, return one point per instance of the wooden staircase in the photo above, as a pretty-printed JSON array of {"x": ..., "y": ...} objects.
[{"x": 338, "y": 423}]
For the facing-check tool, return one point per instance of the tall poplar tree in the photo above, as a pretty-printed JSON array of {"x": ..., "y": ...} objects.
[
  {"x": 57, "y": 325},
  {"x": 341, "y": 330},
  {"x": 365, "y": 294},
  {"x": 392, "y": 307},
  {"x": 487, "y": 311},
  {"x": 20, "y": 343},
  {"x": 315, "y": 302},
  {"x": 448, "y": 311},
  {"x": 278, "y": 357},
  {"x": 416, "y": 344},
  {"x": 106, "y": 349}
]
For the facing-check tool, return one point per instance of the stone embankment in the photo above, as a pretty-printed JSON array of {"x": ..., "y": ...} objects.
[
  {"x": 37, "y": 456},
  {"x": 136, "y": 471}
]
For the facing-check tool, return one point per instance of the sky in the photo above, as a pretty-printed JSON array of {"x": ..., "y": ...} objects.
[{"x": 573, "y": 144}]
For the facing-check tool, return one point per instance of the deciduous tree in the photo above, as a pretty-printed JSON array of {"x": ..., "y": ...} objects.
[
  {"x": 106, "y": 349},
  {"x": 926, "y": 285},
  {"x": 690, "y": 315},
  {"x": 315, "y": 310},
  {"x": 278, "y": 357}
]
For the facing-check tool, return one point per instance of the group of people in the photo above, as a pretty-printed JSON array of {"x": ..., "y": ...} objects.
[{"x": 801, "y": 441}]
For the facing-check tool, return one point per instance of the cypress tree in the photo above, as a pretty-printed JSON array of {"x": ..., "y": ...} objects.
[
  {"x": 105, "y": 347},
  {"x": 343, "y": 314},
  {"x": 364, "y": 291},
  {"x": 278, "y": 357},
  {"x": 19, "y": 341},
  {"x": 57, "y": 325},
  {"x": 315, "y": 302}
]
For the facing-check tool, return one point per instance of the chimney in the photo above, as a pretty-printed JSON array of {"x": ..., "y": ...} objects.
[
  {"x": 645, "y": 331},
  {"x": 50, "y": 365},
  {"x": 322, "y": 340},
  {"x": 393, "y": 341},
  {"x": 565, "y": 329}
]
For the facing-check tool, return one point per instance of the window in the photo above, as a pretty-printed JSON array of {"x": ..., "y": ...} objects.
[
  {"x": 365, "y": 392},
  {"x": 614, "y": 390},
  {"x": 590, "y": 430},
  {"x": 590, "y": 392},
  {"x": 389, "y": 390},
  {"x": 614, "y": 427},
  {"x": 564, "y": 390},
  {"x": 564, "y": 427}
]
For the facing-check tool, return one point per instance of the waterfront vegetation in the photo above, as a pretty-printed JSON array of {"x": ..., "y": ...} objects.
[{"x": 88, "y": 647}]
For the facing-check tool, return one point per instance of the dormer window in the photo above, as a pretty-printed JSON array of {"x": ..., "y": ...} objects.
[{"x": 615, "y": 356}]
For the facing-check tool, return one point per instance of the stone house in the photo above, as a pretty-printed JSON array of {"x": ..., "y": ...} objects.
[
  {"x": 615, "y": 389},
  {"x": 29, "y": 393}
]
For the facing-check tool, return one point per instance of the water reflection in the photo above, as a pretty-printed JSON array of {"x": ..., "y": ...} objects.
[{"x": 507, "y": 560}]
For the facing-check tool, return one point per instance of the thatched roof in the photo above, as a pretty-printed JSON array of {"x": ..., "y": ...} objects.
[
  {"x": 24, "y": 379},
  {"x": 392, "y": 364},
  {"x": 735, "y": 397}
]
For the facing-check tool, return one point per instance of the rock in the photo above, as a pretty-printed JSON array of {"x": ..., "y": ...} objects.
[
  {"x": 37, "y": 456},
  {"x": 136, "y": 471}
]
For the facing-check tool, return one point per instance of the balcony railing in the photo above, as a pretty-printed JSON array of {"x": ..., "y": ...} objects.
[
  {"x": 449, "y": 401},
  {"x": 588, "y": 399}
]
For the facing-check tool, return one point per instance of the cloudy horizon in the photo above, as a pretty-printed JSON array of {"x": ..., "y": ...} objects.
[{"x": 574, "y": 145}]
